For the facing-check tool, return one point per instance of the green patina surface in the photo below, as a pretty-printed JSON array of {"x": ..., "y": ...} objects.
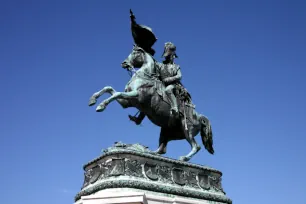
[{"x": 155, "y": 89}]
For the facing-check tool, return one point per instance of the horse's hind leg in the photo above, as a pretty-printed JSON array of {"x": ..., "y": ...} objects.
[
  {"x": 163, "y": 141},
  {"x": 194, "y": 148},
  {"x": 194, "y": 145}
]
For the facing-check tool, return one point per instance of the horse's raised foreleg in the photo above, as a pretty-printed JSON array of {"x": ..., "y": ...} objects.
[
  {"x": 108, "y": 89},
  {"x": 95, "y": 96},
  {"x": 116, "y": 96}
]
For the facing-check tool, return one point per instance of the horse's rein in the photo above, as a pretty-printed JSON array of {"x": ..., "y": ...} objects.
[
  {"x": 131, "y": 71},
  {"x": 145, "y": 75}
]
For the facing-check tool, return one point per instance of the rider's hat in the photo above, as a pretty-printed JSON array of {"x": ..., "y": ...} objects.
[{"x": 169, "y": 49}]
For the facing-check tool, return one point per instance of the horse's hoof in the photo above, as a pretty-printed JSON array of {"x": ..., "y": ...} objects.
[
  {"x": 92, "y": 102},
  {"x": 183, "y": 158},
  {"x": 154, "y": 152},
  {"x": 100, "y": 108},
  {"x": 159, "y": 152}
]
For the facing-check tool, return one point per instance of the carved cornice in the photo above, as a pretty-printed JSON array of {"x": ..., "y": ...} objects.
[{"x": 128, "y": 149}]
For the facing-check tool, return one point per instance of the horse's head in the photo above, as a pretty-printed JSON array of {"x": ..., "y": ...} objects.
[{"x": 135, "y": 59}]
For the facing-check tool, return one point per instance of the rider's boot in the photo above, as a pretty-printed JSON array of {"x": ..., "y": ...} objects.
[
  {"x": 135, "y": 119},
  {"x": 174, "y": 112},
  {"x": 138, "y": 119}
]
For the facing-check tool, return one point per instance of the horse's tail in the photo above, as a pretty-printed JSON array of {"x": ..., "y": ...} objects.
[{"x": 206, "y": 134}]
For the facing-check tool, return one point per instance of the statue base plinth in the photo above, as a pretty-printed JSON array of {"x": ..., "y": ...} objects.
[
  {"x": 133, "y": 174},
  {"x": 135, "y": 196}
]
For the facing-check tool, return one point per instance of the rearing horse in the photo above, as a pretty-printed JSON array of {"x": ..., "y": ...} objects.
[{"x": 145, "y": 92}]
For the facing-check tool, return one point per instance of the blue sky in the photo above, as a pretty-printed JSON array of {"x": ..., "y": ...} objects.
[{"x": 242, "y": 61}]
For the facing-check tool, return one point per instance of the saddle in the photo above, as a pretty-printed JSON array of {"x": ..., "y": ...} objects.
[
  {"x": 184, "y": 102},
  {"x": 183, "y": 98}
]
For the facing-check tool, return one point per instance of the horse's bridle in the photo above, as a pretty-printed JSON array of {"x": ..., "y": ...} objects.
[{"x": 145, "y": 76}]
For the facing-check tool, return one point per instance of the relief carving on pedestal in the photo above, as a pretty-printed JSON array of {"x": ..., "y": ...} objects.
[
  {"x": 204, "y": 181},
  {"x": 165, "y": 174},
  {"x": 117, "y": 167},
  {"x": 216, "y": 183},
  {"x": 151, "y": 171},
  {"x": 87, "y": 176},
  {"x": 133, "y": 168},
  {"x": 152, "y": 174},
  {"x": 178, "y": 176},
  {"x": 95, "y": 174},
  {"x": 191, "y": 179}
]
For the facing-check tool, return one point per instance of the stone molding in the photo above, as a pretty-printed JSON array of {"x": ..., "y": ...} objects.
[{"x": 131, "y": 196}]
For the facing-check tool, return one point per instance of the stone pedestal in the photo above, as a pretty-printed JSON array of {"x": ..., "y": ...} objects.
[{"x": 133, "y": 174}]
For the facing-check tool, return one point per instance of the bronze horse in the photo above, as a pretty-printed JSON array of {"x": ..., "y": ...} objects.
[{"x": 145, "y": 92}]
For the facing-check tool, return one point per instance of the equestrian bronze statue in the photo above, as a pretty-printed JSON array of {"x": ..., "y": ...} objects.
[{"x": 156, "y": 91}]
